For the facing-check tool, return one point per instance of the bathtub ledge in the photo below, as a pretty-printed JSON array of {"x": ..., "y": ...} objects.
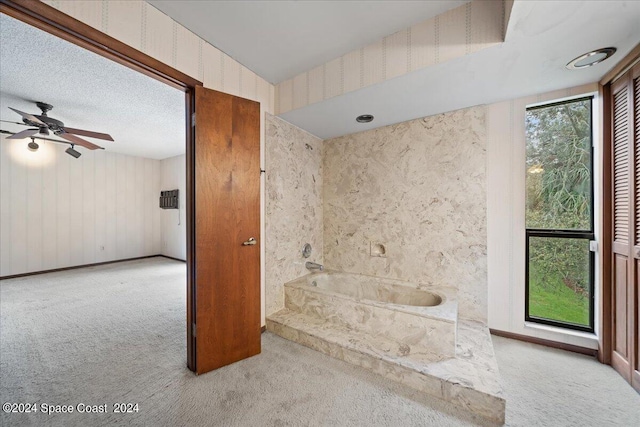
[{"x": 470, "y": 379}]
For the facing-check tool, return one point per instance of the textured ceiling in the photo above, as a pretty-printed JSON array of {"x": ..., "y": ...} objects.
[
  {"x": 144, "y": 116},
  {"x": 280, "y": 39}
]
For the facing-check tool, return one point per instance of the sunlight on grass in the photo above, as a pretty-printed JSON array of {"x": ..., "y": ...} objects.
[{"x": 553, "y": 300}]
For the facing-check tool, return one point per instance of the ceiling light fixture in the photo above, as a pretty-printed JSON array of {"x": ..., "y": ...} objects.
[
  {"x": 364, "y": 118},
  {"x": 70, "y": 151},
  {"x": 33, "y": 146},
  {"x": 591, "y": 58}
]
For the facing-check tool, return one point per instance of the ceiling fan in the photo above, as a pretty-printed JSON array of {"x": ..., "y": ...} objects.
[{"x": 44, "y": 125}]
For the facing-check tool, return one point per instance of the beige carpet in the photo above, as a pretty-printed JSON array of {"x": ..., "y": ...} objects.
[{"x": 116, "y": 333}]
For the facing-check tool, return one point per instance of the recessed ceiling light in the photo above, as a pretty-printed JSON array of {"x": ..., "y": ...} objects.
[
  {"x": 591, "y": 58},
  {"x": 364, "y": 118}
]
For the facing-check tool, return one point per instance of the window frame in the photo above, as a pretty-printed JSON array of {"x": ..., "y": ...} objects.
[{"x": 567, "y": 234}]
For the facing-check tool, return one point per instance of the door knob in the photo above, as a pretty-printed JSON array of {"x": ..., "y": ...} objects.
[{"x": 251, "y": 241}]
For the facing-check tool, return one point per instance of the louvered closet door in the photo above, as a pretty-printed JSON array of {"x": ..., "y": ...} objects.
[
  {"x": 625, "y": 94},
  {"x": 621, "y": 226},
  {"x": 634, "y": 291}
]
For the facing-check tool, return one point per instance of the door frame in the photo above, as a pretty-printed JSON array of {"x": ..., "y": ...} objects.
[{"x": 57, "y": 23}]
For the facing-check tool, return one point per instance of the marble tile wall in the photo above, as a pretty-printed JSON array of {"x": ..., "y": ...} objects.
[
  {"x": 419, "y": 189},
  {"x": 293, "y": 205}
]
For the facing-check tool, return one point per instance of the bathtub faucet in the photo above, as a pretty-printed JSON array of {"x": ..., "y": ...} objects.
[{"x": 313, "y": 266}]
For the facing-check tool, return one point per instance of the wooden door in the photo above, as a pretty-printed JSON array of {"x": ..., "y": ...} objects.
[
  {"x": 226, "y": 290},
  {"x": 635, "y": 286},
  {"x": 625, "y": 137}
]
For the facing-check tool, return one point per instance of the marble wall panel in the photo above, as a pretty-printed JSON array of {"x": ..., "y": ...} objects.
[
  {"x": 418, "y": 188},
  {"x": 294, "y": 205},
  {"x": 423, "y": 338}
]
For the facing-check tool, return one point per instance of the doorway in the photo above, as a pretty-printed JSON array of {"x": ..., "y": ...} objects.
[{"x": 233, "y": 200}]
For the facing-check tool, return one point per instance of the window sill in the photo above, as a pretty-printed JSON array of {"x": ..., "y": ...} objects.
[{"x": 590, "y": 336}]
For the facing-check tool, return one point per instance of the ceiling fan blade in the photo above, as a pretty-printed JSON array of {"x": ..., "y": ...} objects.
[
  {"x": 15, "y": 123},
  {"x": 89, "y": 133},
  {"x": 24, "y": 134},
  {"x": 29, "y": 117},
  {"x": 79, "y": 141}
]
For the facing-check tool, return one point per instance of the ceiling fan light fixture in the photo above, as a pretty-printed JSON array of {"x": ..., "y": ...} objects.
[
  {"x": 591, "y": 58},
  {"x": 45, "y": 125},
  {"x": 70, "y": 151},
  {"x": 33, "y": 145}
]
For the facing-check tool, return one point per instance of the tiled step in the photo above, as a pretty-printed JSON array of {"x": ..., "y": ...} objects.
[{"x": 469, "y": 380}]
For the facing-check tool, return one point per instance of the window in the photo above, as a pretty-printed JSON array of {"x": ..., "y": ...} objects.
[{"x": 559, "y": 215}]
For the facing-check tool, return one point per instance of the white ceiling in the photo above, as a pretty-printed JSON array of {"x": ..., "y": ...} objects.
[
  {"x": 280, "y": 39},
  {"x": 542, "y": 37},
  {"x": 144, "y": 116}
]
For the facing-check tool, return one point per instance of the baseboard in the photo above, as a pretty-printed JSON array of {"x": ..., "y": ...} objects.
[
  {"x": 546, "y": 343},
  {"x": 55, "y": 270},
  {"x": 175, "y": 259}
]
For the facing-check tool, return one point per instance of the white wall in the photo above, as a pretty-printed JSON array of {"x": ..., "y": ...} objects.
[
  {"x": 506, "y": 172},
  {"x": 57, "y": 211},
  {"x": 174, "y": 221}
]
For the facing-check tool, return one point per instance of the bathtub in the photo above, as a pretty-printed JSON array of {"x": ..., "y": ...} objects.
[{"x": 402, "y": 319}]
